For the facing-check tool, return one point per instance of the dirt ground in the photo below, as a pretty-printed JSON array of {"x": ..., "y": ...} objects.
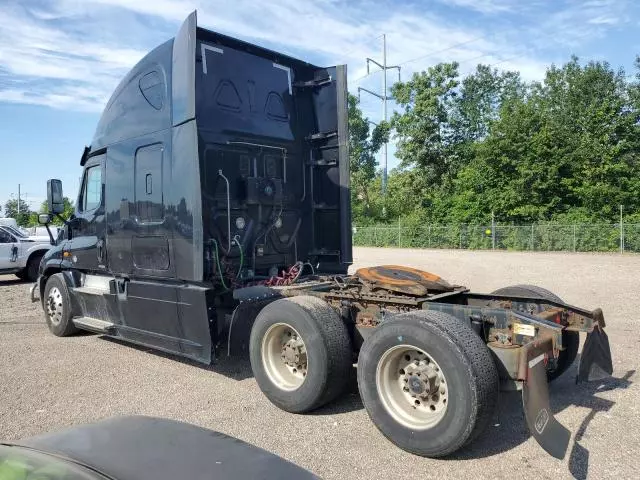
[{"x": 48, "y": 383}]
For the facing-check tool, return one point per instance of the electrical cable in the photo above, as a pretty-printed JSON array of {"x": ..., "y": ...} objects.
[
  {"x": 360, "y": 44},
  {"x": 236, "y": 240},
  {"x": 427, "y": 55},
  {"x": 215, "y": 245},
  {"x": 442, "y": 50}
]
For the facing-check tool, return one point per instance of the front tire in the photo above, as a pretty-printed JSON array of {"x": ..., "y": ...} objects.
[
  {"x": 300, "y": 353},
  {"x": 428, "y": 382},
  {"x": 57, "y": 307}
]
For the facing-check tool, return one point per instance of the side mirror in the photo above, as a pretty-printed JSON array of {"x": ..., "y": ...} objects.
[
  {"x": 54, "y": 196},
  {"x": 44, "y": 219}
]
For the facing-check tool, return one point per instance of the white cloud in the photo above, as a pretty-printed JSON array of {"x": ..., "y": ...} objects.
[
  {"x": 484, "y": 6},
  {"x": 45, "y": 65},
  {"x": 71, "y": 53},
  {"x": 605, "y": 20},
  {"x": 580, "y": 21}
]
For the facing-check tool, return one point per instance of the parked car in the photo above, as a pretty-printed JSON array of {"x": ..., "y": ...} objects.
[
  {"x": 140, "y": 448},
  {"x": 40, "y": 233},
  {"x": 21, "y": 254},
  {"x": 11, "y": 222}
]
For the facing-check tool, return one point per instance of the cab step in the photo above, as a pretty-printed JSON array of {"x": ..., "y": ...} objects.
[
  {"x": 94, "y": 325},
  {"x": 94, "y": 285},
  {"x": 91, "y": 290}
]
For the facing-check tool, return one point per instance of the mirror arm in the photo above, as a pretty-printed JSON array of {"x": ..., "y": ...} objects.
[
  {"x": 52, "y": 241},
  {"x": 66, "y": 222},
  {"x": 62, "y": 219}
]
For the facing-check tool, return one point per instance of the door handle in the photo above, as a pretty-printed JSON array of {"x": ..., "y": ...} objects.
[{"x": 100, "y": 249}]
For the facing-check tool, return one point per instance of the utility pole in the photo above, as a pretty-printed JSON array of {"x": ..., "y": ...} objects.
[
  {"x": 621, "y": 231},
  {"x": 18, "y": 202},
  {"x": 493, "y": 231},
  {"x": 384, "y": 67},
  {"x": 384, "y": 107}
]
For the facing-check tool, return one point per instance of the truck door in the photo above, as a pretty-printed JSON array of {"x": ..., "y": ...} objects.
[
  {"x": 8, "y": 250},
  {"x": 87, "y": 244}
]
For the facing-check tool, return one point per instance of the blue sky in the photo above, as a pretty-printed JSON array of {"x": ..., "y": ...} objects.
[{"x": 60, "y": 59}]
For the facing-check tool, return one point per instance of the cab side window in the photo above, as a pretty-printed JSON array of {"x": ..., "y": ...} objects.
[
  {"x": 6, "y": 237},
  {"x": 92, "y": 189}
]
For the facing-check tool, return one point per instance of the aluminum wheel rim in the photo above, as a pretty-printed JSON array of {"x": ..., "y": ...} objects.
[
  {"x": 54, "y": 306},
  {"x": 284, "y": 356},
  {"x": 412, "y": 387}
]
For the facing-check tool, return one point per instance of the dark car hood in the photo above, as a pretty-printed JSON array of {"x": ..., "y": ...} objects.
[{"x": 146, "y": 448}]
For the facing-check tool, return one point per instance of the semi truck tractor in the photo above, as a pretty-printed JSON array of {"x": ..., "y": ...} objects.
[{"x": 213, "y": 218}]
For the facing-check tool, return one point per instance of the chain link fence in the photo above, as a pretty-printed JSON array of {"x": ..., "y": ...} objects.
[{"x": 537, "y": 237}]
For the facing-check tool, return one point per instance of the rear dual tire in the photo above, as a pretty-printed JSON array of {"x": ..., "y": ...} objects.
[
  {"x": 301, "y": 358},
  {"x": 300, "y": 353},
  {"x": 449, "y": 362}
]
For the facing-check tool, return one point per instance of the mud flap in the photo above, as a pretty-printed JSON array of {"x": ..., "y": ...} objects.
[
  {"x": 596, "y": 355},
  {"x": 548, "y": 432},
  {"x": 34, "y": 291}
]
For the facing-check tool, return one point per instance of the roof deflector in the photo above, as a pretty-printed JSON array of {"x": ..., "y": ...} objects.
[{"x": 183, "y": 83}]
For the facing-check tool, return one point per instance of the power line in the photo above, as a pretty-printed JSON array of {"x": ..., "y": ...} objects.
[
  {"x": 440, "y": 51},
  {"x": 474, "y": 58},
  {"x": 365, "y": 76},
  {"x": 435, "y": 52},
  {"x": 361, "y": 44},
  {"x": 451, "y": 47},
  {"x": 430, "y": 54},
  {"x": 461, "y": 62},
  {"x": 466, "y": 72}
]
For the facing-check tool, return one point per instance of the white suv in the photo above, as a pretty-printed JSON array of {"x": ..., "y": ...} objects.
[{"x": 21, "y": 254}]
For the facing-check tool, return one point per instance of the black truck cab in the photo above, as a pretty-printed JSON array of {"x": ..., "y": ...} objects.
[{"x": 215, "y": 164}]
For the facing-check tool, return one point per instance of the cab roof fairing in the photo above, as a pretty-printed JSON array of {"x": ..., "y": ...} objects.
[{"x": 177, "y": 58}]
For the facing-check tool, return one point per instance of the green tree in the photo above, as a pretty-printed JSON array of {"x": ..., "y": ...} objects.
[
  {"x": 563, "y": 149},
  {"x": 481, "y": 96},
  {"x": 11, "y": 211},
  {"x": 66, "y": 214},
  {"x": 423, "y": 127},
  {"x": 442, "y": 121},
  {"x": 364, "y": 143},
  {"x": 570, "y": 145}
]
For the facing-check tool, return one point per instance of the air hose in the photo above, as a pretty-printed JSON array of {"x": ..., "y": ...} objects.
[{"x": 215, "y": 246}]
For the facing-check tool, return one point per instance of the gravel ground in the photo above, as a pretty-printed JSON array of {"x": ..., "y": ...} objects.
[{"x": 48, "y": 383}]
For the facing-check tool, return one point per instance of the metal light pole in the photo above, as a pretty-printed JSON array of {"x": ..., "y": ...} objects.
[
  {"x": 493, "y": 231},
  {"x": 621, "y": 232},
  {"x": 383, "y": 66},
  {"x": 384, "y": 110}
]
